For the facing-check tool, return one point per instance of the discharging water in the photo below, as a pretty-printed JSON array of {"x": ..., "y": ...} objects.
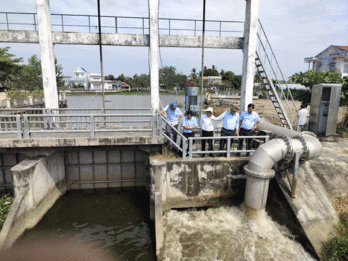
[{"x": 222, "y": 234}]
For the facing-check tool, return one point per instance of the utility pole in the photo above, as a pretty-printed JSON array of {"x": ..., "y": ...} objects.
[
  {"x": 203, "y": 33},
  {"x": 101, "y": 57}
]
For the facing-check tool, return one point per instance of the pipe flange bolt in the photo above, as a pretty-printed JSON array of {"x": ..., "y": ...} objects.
[
  {"x": 290, "y": 151},
  {"x": 308, "y": 133},
  {"x": 262, "y": 175},
  {"x": 305, "y": 151}
]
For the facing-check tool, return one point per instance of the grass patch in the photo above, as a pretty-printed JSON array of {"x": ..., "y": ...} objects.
[
  {"x": 345, "y": 152},
  {"x": 6, "y": 200},
  {"x": 342, "y": 131},
  {"x": 336, "y": 249}
]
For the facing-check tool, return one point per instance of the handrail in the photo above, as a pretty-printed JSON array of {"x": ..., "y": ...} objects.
[
  {"x": 115, "y": 24},
  {"x": 278, "y": 67},
  {"x": 228, "y": 138}
]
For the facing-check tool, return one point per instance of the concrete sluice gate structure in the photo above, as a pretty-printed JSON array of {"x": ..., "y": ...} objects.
[{"x": 221, "y": 183}]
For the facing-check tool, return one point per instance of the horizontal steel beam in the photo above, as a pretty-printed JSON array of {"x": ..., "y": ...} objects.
[{"x": 125, "y": 39}]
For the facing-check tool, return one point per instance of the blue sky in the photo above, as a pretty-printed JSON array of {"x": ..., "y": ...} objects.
[{"x": 296, "y": 29}]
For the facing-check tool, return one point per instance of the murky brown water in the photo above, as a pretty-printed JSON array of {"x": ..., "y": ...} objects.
[
  {"x": 223, "y": 234},
  {"x": 115, "y": 222}
]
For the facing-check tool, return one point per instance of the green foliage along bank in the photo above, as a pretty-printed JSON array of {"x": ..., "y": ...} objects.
[
  {"x": 6, "y": 200},
  {"x": 311, "y": 78}
]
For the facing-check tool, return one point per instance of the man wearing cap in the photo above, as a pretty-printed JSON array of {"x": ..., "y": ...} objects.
[
  {"x": 207, "y": 127},
  {"x": 174, "y": 116},
  {"x": 229, "y": 126},
  {"x": 248, "y": 121}
]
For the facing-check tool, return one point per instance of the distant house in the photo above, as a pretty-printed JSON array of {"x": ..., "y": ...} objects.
[
  {"x": 80, "y": 77},
  {"x": 334, "y": 56},
  {"x": 96, "y": 83},
  {"x": 125, "y": 87},
  {"x": 212, "y": 79}
]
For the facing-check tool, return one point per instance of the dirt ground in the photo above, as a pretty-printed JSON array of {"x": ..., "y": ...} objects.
[{"x": 265, "y": 109}]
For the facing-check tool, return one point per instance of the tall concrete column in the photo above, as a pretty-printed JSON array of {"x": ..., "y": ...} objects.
[
  {"x": 250, "y": 37},
  {"x": 47, "y": 54},
  {"x": 154, "y": 74}
]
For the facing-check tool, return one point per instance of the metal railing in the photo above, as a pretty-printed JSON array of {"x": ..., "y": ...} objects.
[
  {"x": 273, "y": 71},
  {"x": 188, "y": 149},
  {"x": 256, "y": 141},
  {"x": 121, "y": 24},
  {"x": 25, "y": 122}
]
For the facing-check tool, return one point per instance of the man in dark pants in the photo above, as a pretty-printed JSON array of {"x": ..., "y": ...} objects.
[
  {"x": 189, "y": 124},
  {"x": 229, "y": 126},
  {"x": 248, "y": 122},
  {"x": 207, "y": 127}
]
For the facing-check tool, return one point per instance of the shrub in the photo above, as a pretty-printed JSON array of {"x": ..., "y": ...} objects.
[
  {"x": 6, "y": 200},
  {"x": 336, "y": 249}
]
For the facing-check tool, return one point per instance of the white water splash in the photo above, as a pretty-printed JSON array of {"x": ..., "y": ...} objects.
[{"x": 220, "y": 234}]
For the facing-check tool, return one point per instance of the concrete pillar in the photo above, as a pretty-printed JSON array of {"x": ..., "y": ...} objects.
[
  {"x": 154, "y": 74},
  {"x": 250, "y": 37},
  {"x": 8, "y": 103},
  {"x": 30, "y": 100},
  {"x": 47, "y": 54}
]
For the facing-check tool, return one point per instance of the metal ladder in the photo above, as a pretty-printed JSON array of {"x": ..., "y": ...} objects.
[
  {"x": 269, "y": 63},
  {"x": 272, "y": 94}
]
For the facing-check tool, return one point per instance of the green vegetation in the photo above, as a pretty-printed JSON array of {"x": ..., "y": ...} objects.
[
  {"x": 9, "y": 67},
  {"x": 14, "y": 94},
  {"x": 37, "y": 93},
  {"x": 336, "y": 249},
  {"x": 169, "y": 78},
  {"x": 310, "y": 78},
  {"x": 6, "y": 200},
  {"x": 232, "y": 79},
  {"x": 24, "y": 76}
]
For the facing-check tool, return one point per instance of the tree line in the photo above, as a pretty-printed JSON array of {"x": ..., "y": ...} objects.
[{"x": 18, "y": 76}]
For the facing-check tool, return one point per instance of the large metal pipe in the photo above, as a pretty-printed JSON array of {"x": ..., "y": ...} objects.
[{"x": 283, "y": 148}]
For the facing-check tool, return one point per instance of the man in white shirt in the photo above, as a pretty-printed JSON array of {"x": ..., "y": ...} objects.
[
  {"x": 230, "y": 125},
  {"x": 302, "y": 116},
  {"x": 207, "y": 127}
]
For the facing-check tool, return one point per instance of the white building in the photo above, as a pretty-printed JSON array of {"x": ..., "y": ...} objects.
[
  {"x": 332, "y": 57},
  {"x": 212, "y": 79},
  {"x": 80, "y": 77},
  {"x": 96, "y": 84}
]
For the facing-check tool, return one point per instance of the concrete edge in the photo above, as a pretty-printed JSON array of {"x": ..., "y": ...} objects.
[{"x": 15, "y": 225}]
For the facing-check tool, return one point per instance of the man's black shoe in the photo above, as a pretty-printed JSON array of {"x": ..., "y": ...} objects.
[
  {"x": 202, "y": 156},
  {"x": 212, "y": 155}
]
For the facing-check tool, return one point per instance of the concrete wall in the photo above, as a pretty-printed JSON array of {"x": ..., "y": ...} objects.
[
  {"x": 192, "y": 183},
  {"x": 39, "y": 182},
  {"x": 95, "y": 168},
  {"x": 124, "y": 39},
  {"x": 7, "y": 161}
]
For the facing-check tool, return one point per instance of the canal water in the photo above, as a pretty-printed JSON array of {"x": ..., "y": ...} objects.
[
  {"x": 113, "y": 222},
  {"x": 119, "y": 101}
]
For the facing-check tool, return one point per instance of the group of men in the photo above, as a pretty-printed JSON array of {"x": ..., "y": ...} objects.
[{"x": 233, "y": 125}]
